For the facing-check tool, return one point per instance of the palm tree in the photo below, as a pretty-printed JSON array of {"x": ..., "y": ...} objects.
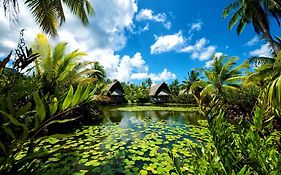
[
  {"x": 49, "y": 14},
  {"x": 257, "y": 13},
  {"x": 192, "y": 77},
  {"x": 55, "y": 66},
  {"x": 147, "y": 83},
  {"x": 174, "y": 88},
  {"x": 99, "y": 72},
  {"x": 221, "y": 78}
]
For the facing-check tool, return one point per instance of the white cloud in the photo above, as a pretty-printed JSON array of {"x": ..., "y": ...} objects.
[
  {"x": 207, "y": 53},
  {"x": 263, "y": 51},
  {"x": 168, "y": 43},
  {"x": 199, "y": 50},
  {"x": 254, "y": 41},
  {"x": 148, "y": 15},
  {"x": 197, "y": 26},
  {"x": 101, "y": 39},
  {"x": 164, "y": 76},
  {"x": 112, "y": 18},
  {"x": 128, "y": 68}
]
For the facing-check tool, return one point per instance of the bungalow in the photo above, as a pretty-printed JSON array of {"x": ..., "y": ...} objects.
[
  {"x": 116, "y": 92},
  {"x": 159, "y": 93}
]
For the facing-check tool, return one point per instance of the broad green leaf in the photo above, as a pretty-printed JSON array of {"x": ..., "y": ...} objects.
[
  {"x": 242, "y": 171},
  {"x": 10, "y": 104},
  {"x": 23, "y": 109},
  {"x": 15, "y": 121},
  {"x": 40, "y": 107},
  {"x": 53, "y": 106},
  {"x": 77, "y": 95},
  {"x": 68, "y": 99},
  {"x": 86, "y": 94},
  {"x": 36, "y": 122}
]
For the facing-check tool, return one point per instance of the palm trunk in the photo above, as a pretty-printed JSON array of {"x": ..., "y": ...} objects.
[
  {"x": 265, "y": 30},
  {"x": 275, "y": 46}
]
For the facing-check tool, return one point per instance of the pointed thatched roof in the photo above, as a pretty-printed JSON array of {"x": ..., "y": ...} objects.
[
  {"x": 159, "y": 90},
  {"x": 115, "y": 89}
]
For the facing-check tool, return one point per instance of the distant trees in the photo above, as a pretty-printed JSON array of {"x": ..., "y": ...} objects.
[{"x": 192, "y": 77}]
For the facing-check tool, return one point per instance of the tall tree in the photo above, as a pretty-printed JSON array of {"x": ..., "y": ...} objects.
[
  {"x": 49, "y": 14},
  {"x": 99, "y": 72},
  {"x": 192, "y": 77},
  {"x": 221, "y": 77},
  {"x": 256, "y": 12},
  {"x": 175, "y": 88}
]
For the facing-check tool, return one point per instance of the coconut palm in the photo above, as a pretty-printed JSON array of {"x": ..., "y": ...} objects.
[
  {"x": 256, "y": 12},
  {"x": 174, "y": 88},
  {"x": 192, "y": 77},
  {"x": 54, "y": 66},
  {"x": 99, "y": 72},
  {"x": 49, "y": 14},
  {"x": 221, "y": 78}
]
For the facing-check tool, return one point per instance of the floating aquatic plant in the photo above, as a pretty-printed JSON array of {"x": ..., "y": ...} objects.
[{"x": 110, "y": 149}]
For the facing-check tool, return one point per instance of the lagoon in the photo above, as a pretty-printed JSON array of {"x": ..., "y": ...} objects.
[{"x": 128, "y": 143}]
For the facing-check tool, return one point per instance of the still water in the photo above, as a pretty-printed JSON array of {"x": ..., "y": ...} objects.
[
  {"x": 129, "y": 143},
  {"x": 123, "y": 117}
]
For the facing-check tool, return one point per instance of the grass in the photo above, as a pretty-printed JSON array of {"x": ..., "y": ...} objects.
[{"x": 156, "y": 108}]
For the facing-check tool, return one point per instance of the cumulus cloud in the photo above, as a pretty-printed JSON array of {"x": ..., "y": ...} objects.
[
  {"x": 199, "y": 50},
  {"x": 168, "y": 43},
  {"x": 177, "y": 42},
  {"x": 254, "y": 41},
  {"x": 101, "y": 39},
  {"x": 148, "y": 15},
  {"x": 263, "y": 51},
  {"x": 128, "y": 68}
]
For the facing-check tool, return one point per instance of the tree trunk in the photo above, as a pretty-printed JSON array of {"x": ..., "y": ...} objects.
[{"x": 275, "y": 46}]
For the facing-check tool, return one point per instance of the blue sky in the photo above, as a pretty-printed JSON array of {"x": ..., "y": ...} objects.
[{"x": 159, "y": 39}]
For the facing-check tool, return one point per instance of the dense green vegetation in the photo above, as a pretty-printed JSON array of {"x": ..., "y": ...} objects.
[{"x": 40, "y": 107}]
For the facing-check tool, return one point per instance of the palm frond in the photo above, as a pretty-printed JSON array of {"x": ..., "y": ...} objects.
[
  {"x": 45, "y": 14},
  {"x": 81, "y": 8},
  {"x": 261, "y": 60}
]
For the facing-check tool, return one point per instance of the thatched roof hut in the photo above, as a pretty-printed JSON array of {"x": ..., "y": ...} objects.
[
  {"x": 159, "y": 93},
  {"x": 116, "y": 92}
]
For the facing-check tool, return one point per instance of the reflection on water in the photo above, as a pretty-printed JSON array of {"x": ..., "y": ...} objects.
[{"x": 130, "y": 119}]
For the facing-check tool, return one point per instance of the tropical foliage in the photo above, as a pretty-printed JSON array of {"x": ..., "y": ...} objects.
[
  {"x": 49, "y": 90},
  {"x": 256, "y": 12},
  {"x": 221, "y": 78},
  {"x": 27, "y": 110},
  {"x": 57, "y": 69},
  {"x": 49, "y": 15}
]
